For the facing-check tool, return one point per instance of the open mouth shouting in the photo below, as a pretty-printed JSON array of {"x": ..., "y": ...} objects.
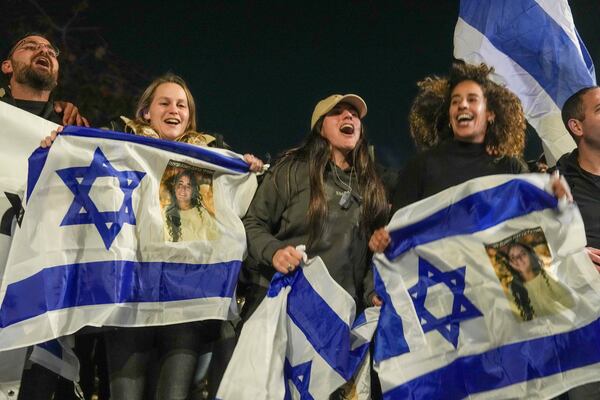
[
  {"x": 347, "y": 128},
  {"x": 342, "y": 129},
  {"x": 43, "y": 62}
]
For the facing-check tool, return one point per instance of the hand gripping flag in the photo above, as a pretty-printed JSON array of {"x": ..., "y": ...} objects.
[
  {"x": 536, "y": 52},
  {"x": 497, "y": 280},
  {"x": 124, "y": 230},
  {"x": 302, "y": 342}
]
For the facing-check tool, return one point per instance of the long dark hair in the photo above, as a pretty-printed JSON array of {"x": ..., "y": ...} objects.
[
  {"x": 172, "y": 216},
  {"x": 316, "y": 151},
  {"x": 517, "y": 285}
]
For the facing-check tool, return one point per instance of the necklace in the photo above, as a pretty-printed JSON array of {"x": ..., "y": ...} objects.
[{"x": 346, "y": 198}]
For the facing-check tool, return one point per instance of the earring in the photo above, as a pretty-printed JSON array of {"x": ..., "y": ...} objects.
[{"x": 491, "y": 121}]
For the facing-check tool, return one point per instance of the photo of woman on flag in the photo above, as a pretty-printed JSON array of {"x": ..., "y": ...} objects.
[
  {"x": 189, "y": 212},
  {"x": 533, "y": 291},
  {"x": 520, "y": 262}
]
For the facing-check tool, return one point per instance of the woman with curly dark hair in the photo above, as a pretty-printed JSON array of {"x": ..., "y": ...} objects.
[
  {"x": 186, "y": 217},
  {"x": 533, "y": 292},
  {"x": 434, "y": 114},
  {"x": 465, "y": 126}
]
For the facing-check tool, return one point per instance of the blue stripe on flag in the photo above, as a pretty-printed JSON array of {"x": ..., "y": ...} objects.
[
  {"x": 323, "y": 328},
  {"x": 586, "y": 56},
  {"x": 37, "y": 160},
  {"x": 389, "y": 337},
  {"x": 474, "y": 213},
  {"x": 523, "y": 31},
  {"x": 52, "y": 347},
  {"x": 231, "y": 163},
  {"x": 109, "y": 282},
  {"x": 506, "y": 365},
  {"x": 360, "y": 319}
]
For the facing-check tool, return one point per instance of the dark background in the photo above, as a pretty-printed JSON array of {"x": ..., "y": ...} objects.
[{"x": 257, "y": 69}]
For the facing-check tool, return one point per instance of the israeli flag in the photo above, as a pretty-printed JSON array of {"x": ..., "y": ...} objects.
[
  {"x": 123, "y": 230},
  {"x": 537, "y": 54},
  {"x": 302, "y": 342},
  {"x": 494, "y": 275}
]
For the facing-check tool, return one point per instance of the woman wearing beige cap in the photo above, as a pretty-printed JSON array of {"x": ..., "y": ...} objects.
[{"x": 324, "y": 194}]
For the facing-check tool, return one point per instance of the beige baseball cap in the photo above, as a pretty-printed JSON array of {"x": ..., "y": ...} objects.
[{"x": 326, "y": 105}]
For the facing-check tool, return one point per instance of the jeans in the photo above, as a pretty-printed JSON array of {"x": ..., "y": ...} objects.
[{"x": 132, "y": 352}]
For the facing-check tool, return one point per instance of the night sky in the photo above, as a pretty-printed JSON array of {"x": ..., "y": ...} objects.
[{"x": 257, "y": 69}]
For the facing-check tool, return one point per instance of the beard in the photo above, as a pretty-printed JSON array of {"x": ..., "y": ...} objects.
[{"x": 38, "y": 80}]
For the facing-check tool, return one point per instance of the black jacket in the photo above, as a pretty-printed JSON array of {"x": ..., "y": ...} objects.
[
  {"x": 586, "y": 193},
  {"x": 277, "y": 217}
]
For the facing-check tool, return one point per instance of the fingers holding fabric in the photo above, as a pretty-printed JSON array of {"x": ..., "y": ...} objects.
[{"x": 287, "y": 259}]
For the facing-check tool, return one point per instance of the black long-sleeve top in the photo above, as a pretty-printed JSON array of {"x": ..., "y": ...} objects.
[
  {"x": 448, "y": 164},
  {"x": 585, "y": 188}
]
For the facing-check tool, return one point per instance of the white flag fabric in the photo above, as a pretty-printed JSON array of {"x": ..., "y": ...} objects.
[
  {"x": 20, "y": 135},
  {"x": 497, "y": 281},
  {"x": 536, "y": 52},
  {"x": 124, "y": 230},
  {"x": 58, "y": 356},
  {"x": 302, "y": 342},
  {"x": 11, "y": 369}
]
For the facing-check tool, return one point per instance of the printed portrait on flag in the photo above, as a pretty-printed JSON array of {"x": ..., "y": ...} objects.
[
  {"x": 521, "y": 262},
  {"x": 187, "y": 204}
]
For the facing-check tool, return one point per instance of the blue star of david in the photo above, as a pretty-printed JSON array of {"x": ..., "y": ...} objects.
[
  {"x": 462, "y": 308},
  {"x": 300, "y": 377},
  {"x": 83, "y": 210}
]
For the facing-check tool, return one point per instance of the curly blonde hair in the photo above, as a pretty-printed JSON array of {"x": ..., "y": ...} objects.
[{"x": 429, "y": 119}]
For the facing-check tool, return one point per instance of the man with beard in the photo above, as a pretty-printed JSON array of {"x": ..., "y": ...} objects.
[
  {"x": 32, "y": 70},
  {"x": 581, "y": 169}
]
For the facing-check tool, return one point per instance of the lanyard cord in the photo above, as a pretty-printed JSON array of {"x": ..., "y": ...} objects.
[{"x": 348, "y": 185}]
